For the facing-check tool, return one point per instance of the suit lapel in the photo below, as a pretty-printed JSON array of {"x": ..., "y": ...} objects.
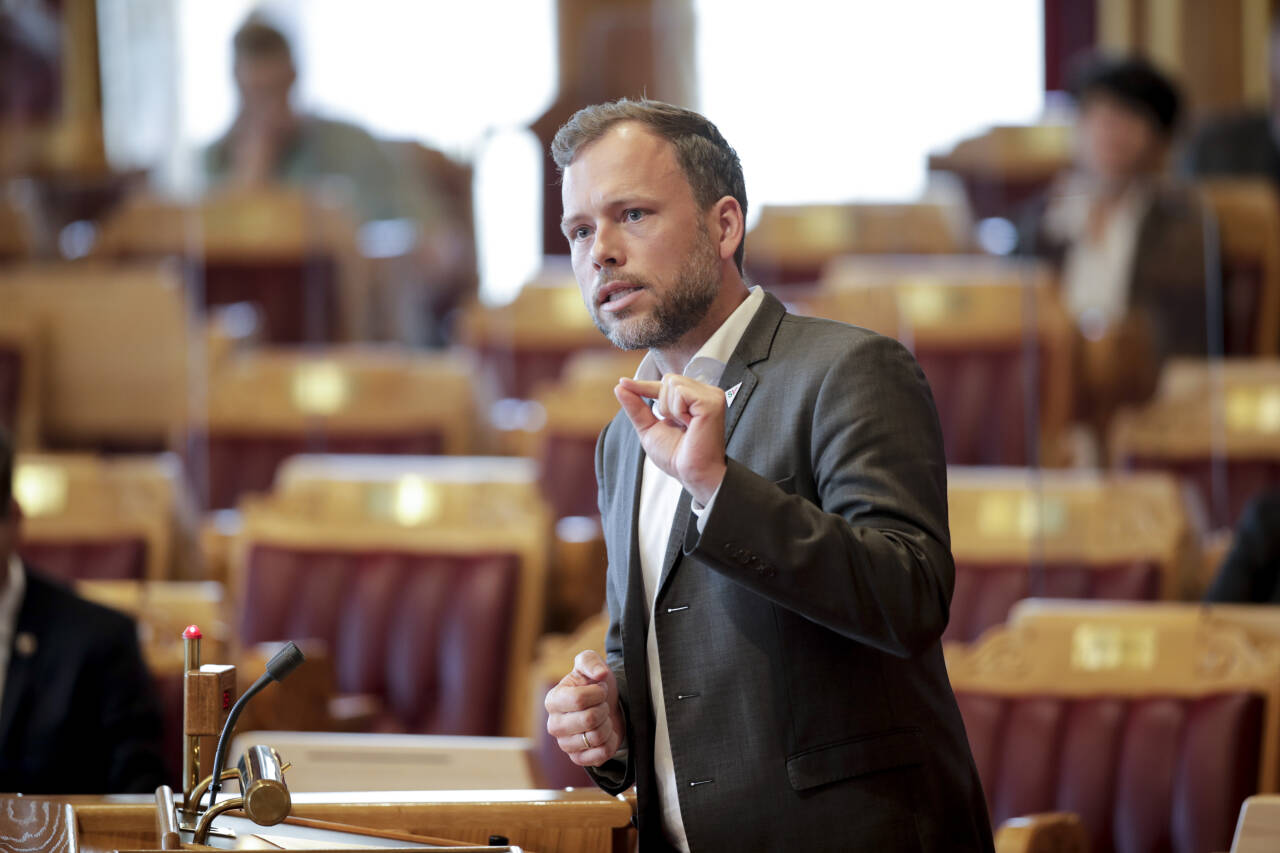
[
  {"x": 22, "y": 656},
  {"x": 756, "y": 342}
]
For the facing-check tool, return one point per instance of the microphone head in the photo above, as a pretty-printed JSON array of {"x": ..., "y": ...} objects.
[{"x": 284, "y": 661}]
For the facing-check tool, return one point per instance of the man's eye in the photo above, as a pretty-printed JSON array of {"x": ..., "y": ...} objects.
[
  {"x": 581, "y": 232},
  {"x": 634, "y": 215}
]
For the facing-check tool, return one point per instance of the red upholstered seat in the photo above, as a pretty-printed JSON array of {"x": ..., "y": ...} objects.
[
  {"x": 567, "y": 473},
  {"x": 985, "y": 592},
  {"x": 427, "y": 632},
  {"x": 71, "y": 560},
  {"x": 983, "y": 403},
  {"x": 1144, "y": 774},
  {"x": 1152, "y": 722},
  {"x": 1018, "y": 532},
  {"x": 298, "y": 297},
  {"x": 1242, "y": 480}
]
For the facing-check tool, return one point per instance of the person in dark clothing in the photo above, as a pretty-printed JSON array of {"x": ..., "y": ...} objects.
[
  {"x": 1129, "y": 246},
  {"x": 78, "y": 712},
  {"x": 1251, "y": 572}
]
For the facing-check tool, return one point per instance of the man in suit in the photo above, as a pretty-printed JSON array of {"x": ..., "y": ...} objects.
[
  {"x": 77, "y": 710},
  {"x": 776, "y": 522}
]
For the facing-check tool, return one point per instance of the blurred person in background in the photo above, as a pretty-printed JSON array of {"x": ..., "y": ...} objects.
[
  {"x": 1243, "y": 144},
  {"x": 272, "y": 143},
  {"x": 78, "y": 713},
  {"x": 1128, "y": 245}
]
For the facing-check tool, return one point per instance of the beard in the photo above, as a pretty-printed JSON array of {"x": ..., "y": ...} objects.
[{"x": 680, "y": 307}]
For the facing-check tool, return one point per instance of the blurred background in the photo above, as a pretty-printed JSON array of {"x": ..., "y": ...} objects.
[{"x": 288, "y": 335}]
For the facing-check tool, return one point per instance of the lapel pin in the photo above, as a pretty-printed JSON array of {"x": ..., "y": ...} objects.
[
  {"x": 25, "y": 644},
  {"x": 731, "y": 393}
]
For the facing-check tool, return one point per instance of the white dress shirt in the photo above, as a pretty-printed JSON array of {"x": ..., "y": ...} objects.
[
  {"x": 659, "y": 497},
  {"x": 1097, "y": 270},
  {"x": 10, "y": 602}
]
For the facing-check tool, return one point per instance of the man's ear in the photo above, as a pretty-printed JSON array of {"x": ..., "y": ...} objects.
[{"x": 729, "y": 227}]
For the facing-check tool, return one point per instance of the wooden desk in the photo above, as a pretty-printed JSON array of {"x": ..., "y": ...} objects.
[{"x": 566, "y": 821}]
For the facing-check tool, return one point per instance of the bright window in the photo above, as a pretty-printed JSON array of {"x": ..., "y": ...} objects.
[{"x": 848, "y": 99}]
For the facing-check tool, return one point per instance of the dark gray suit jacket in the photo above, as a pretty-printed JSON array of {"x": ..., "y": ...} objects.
[{"x": 806, "y": 697}]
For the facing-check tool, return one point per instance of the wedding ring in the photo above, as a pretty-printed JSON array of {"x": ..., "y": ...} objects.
[{"x": 585, "y": 741}]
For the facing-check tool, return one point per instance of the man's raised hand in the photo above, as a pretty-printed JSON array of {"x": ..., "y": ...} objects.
[{"x": 685, "y": 439}]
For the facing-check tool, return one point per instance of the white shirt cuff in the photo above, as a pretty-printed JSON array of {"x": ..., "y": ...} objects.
[{"x": 703, "y": 511}]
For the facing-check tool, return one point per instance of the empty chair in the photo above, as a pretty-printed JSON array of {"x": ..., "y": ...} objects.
[
  {"x": 1005, "y": 167},
  {"x": 428, "y": 593},
  {"x": 118, "y": 518},
  {"x": 574, "y": 411},
  {"x": 280, "y": 248},
  {"x": 991, "y": 336},
  {"x": 1248, "y": 220},
  {"x": 1151, "y": 733},
  {"x": 1214, "y": 424},
  {"x": 116, "y": 352},
  {"x": 528, "y": 341},
  {"x": 1065, "y": 534},
  {"x": 791, "y": 244},
  {"x": 267, "y": 405}
]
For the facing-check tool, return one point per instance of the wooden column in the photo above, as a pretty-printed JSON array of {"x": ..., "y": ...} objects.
[{"x": 610, "y": 49}]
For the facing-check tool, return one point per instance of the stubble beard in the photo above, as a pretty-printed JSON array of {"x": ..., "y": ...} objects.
[{"x": 678, "y": 311}]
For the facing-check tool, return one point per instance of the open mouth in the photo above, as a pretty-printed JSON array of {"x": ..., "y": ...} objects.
[{"x": 617, "y": 295}]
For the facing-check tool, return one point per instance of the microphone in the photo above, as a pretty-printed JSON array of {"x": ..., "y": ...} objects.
[{"x": 281, "y": 664}]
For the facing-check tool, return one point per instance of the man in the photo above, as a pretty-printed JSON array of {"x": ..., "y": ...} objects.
[
  {"x": 779, "y": 563},
  {"x": 271, "y": 142},
  {"x": 77, "y": 710},
  {"x": 1130, "y": 247}
]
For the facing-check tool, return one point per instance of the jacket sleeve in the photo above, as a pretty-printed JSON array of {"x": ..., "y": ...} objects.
[
  {"x": 618, "y": 774},
  {"x": 868, "y": 554}
]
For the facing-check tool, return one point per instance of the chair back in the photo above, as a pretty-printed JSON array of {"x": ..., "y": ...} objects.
[
  {"x": 117, "y": 518},
  {"x": 1017, "y": 533},
  {"x": 1214, "y": 424},
  {"x": 270, "y": 404},
  {"x": 428, "y": 595},
  {"x": 1153, "y": 732},
  {"x": 990, "y": 335},
  {"x": 529, "y": 340},
  {"x": 1248, "y": 218}
]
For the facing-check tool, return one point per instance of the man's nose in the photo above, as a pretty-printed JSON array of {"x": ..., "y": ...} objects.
[{"x": 606, "y": 249}]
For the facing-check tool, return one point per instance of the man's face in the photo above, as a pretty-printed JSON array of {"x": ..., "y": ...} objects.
[
  {"x": 641, "y": 248},
  {"x": 264, "y": 84},
  {"x": 1115, "y": 142}
]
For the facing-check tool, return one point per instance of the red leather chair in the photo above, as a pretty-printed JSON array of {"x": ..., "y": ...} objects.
[
  {"x": 1215, "y": 426},
  {"x": 530, "y": 341},
  {"x": 277, "y": 248},
  {"x": 792, "y": 244},
  {"x": 429, "y": 633},
  {"x": 268, "y": 405},
  {"x": 90, "y": 518},
  {"x": 989, "y": 334},
  {"x": 1017, "y": 533},
  {"x": 429, "y": 602},
  {"x": 1152, "y": 732}
]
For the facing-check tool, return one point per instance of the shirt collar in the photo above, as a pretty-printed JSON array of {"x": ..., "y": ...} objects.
[{"x": 708, "y": 363}]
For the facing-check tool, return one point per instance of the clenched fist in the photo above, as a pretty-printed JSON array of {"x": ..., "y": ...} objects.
[{"x": 583, "y": 713}]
